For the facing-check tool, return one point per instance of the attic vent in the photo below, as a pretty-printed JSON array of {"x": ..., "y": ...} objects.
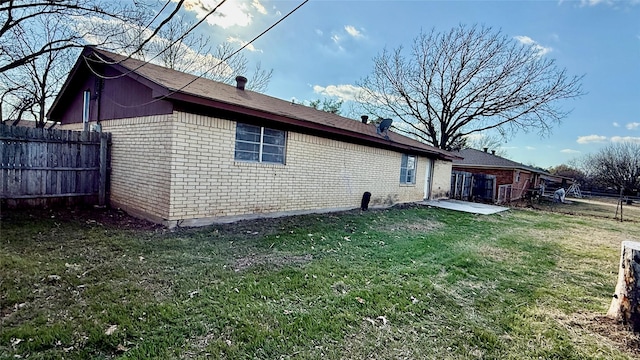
[
  {"x": 241, "y": 81},
  {"x": 364, "y": 118}
]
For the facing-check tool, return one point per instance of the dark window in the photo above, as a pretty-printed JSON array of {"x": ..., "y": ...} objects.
[{"x": 260, "y": 144}]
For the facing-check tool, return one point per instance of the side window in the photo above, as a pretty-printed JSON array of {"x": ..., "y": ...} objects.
[
  {"x": 408, "y": 169},
  {"x": 259, "y": 144}
]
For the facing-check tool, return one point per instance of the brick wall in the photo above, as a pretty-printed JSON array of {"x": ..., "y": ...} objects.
[
  {"x": 180, "y": 169},
  {"x": 441, "y": 184},
  {"x": 140, "y": 164},
  {"x": 506, "y": 177}
]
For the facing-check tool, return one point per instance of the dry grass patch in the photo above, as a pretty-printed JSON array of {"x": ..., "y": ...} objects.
[
  {"x": 587, "y": 329},
  {"x": 419, "y": 226},
  {"x": 275, "y": 260}
]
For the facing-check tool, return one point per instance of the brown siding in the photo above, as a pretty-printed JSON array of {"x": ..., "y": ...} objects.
[{"x": 120, "y": 97}]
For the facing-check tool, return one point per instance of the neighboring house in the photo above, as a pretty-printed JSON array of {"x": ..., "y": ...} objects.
[
  {"x": 191, "y": 151},
  {"x": 510, "y": 180}
]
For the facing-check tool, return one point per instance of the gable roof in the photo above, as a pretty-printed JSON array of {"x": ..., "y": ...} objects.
[
  {"x": 181, "y": 87},
  {"x": 482, "y": 159}
]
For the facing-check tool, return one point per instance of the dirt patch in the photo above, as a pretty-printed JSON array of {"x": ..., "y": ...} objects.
[
  {"x": 274, "y": 259},
  {"x": 420, "y": 226},
  {"x": 113, "y": 218},
  {"x": 617, "y": 334}
]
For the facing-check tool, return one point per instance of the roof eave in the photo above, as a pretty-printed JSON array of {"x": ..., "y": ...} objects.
[{"x": 301, "y": 123}]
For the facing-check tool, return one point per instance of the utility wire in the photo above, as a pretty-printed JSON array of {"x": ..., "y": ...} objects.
[
  {"x": 157, "y": 14},
  {"x": 103, "y": 61},
  {"x": 216, "y": 65}
]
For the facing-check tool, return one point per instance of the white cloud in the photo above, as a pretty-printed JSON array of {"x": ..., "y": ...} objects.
[
  {"x": 621, "y": 139},
  {"x": 231, "y": 13},
  {"x": 258, "y": 6},
  {"x": 541, "y": 50},
  {"x": 594, "y": 2},
  {"x": 615, "y": 124},
  {"x": 355, "y": 33},
  {"x": 190, "y": 61},
  {"x": 633, "y": 126},
  {"x": 336, "y": 39},
  {"x": 343, "y": 92},
  {"x": 235, "y": 40},
  {"x": 569, "y": 151},
  {"x": 319, "y": 32},
  {"x": 591, "y": 139},
  {"x": 529, "y": 148}
]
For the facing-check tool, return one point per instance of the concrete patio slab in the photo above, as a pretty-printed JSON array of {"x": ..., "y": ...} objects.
[{"x": 465, "y": 206}]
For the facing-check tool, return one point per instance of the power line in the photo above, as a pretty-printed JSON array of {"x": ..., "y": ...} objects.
[
  {"x": 213, "y": 67},
  {"x": 104, "y": 61}
]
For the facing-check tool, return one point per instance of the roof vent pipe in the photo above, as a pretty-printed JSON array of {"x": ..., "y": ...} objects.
[
  {"x": 493, "y": 152},
  {"x": 364, "y": 118},
  {"x": 241, "y": 81},
  {"x": 485, "y": 149}
]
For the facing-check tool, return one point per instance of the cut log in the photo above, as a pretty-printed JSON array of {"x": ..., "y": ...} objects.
[{"x": 625, "y": 305}]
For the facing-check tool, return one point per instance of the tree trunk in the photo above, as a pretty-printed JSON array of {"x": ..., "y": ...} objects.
[{"x": 625, "y": 305}]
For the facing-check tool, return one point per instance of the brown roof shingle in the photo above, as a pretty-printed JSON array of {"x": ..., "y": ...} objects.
[{"x": 190, "y": 88}]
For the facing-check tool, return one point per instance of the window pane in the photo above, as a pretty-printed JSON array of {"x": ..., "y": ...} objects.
[
  {"x": 247, "y": 146},
  {"x": 248, "y": 132},
  {"x": 403, "y": 175},
  {"x": 276, "y": 150},
  {"x": 275, "y": 137},
  {"x": 246, "y": 156},
  {"x": 411, "y": 162},
  {"x": 404, "y": 161},
  {"x": 273, "y": 158}
]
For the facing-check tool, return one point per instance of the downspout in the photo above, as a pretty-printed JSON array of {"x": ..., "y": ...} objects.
[{"x": 99, "y": 85}]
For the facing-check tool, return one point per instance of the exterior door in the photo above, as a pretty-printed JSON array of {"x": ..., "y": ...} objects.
[{"x": 427, "y": 179}]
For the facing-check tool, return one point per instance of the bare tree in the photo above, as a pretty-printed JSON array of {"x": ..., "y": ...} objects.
[
  {"x": 176, "y": 47},
  {"x": 327, "y": 104},
  {"x": 466, "y": 81},
  {"x": 616, "y": 165},
  {"x": 40, "y": 78},
  {"x": 19, "y": 17},
  {"x": 491, "y": 142}
]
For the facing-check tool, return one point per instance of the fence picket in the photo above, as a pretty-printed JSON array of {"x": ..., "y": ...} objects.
[{"x": 45, "y": 163}]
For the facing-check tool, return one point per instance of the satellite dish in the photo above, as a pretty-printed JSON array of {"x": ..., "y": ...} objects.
[{"x": 383, "y": 127}]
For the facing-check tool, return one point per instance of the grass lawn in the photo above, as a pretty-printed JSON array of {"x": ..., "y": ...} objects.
[{"x": 401, "y": 283}]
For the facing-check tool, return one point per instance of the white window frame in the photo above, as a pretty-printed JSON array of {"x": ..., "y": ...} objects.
[
  {"x": 405, "y": 175},
  {"x": 261, "y": 145}
]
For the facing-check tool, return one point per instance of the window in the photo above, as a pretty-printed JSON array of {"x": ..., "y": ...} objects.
[
  {"x": 86, "y": 99},
  {"x": 408, "y": 169},
  {"x": 260, "y": 144}
]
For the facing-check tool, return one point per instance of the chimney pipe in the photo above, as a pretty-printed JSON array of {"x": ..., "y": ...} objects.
[
  {"x": 493, "y": 152},
  {"x": 364, "y": 118},
  {"x": 485, "y": 149},
  {"x": 241, "y": 81}
]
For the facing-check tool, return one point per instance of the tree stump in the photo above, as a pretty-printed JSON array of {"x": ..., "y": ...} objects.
[{"x": 625, "y": 305}]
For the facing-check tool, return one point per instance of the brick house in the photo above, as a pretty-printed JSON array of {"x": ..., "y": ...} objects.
[
  {"x": 511, "y": 179},
  {"x": 191, "y": 151}
]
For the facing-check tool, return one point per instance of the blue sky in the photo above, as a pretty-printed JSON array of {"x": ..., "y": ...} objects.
[{"x": 325, "y": 47}]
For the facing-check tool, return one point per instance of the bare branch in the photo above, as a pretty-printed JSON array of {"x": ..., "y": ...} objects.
[{"x": 469, "y": 80}]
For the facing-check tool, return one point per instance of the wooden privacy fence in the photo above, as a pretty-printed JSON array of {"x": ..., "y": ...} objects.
[{"x": 47, "y": 164}]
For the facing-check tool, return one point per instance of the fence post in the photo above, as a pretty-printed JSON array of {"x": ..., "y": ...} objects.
[{"x": 102, "y": 189}]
